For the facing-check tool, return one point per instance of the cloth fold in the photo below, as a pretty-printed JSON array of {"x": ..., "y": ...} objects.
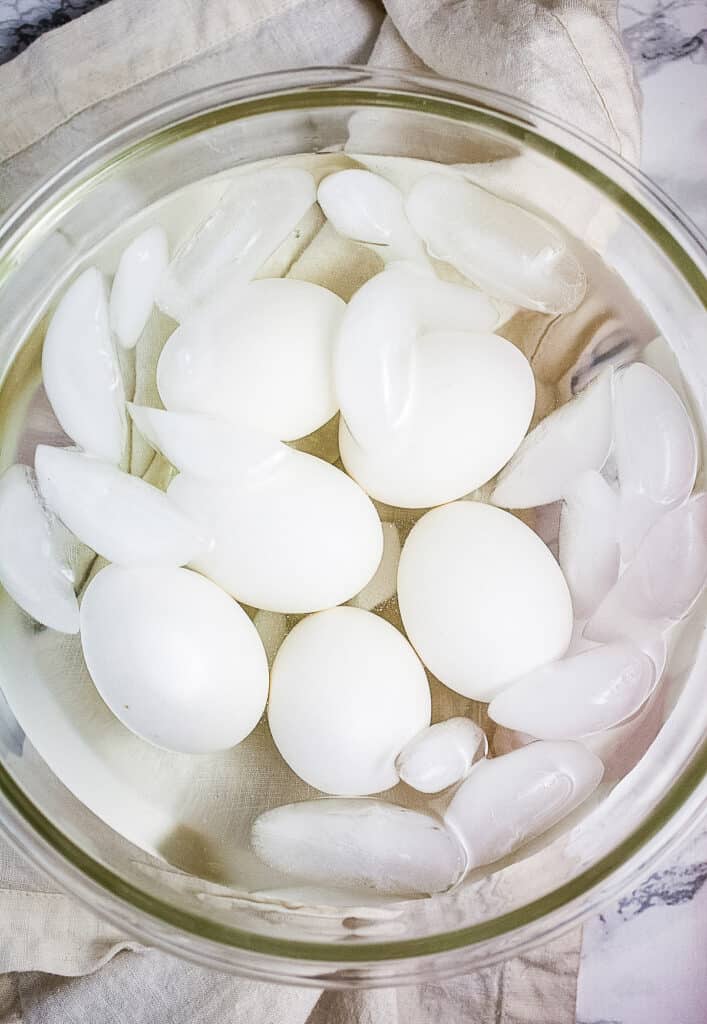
[{"x": 70, "y": 89}]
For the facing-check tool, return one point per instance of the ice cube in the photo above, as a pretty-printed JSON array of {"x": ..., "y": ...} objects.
[
  {"x": 117, "y": 515},
  {"x": 132, "y": 294},
  {"x": 208, "y": 448},
  {"x": 360, "y": 844},
  {"x": 366, "y": 208},
  {"x": 578, "y": 695},
  {"x": 441, "y": 754},
  {"x": 511, "y": 799},
  {"x": 375, "y": 359},
  {"x": 80, "y": 370},
  {"x": 383, "y": 585},
  {"x": 506, "y": 250},
  {"x": 663, "y": 581},
  {"x": 588, "y": 541},
  {"x": 33, "y": 566},
  {"x": 575, "y": 438},
  {"x": 272, "y": 629},
  {"x": 253, "y": 217},
  {"x": 656, "y": 452}
]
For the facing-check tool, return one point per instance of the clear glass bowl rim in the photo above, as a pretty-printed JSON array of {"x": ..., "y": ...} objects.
[{"x": 214, "y": 944}]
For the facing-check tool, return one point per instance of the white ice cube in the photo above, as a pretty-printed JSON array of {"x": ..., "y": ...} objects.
[
  {"x": 132, "y": 294},
  {"x": 360, "y": 844},
  {"x": 253, "y": 217},
  {"x": 208, "y": 448},
  {"x": 509, "y": 252},
  {"x": 511, "y": 799},
  {"x": 656, "y": 452},
  {"x": 117, "y": 515},
  {"x": 441, "y": 754},
  {"x": 375, "y": 358},
  {"x": 663, "y": 581},
  {"x": 33, "y": 568},
  {"x": 578, "y": 695},
  {"x": 384, "y": 583},
  {"x": 588, "y": 541},
  {"x": 575, "y": 438},
  {"x": 366, "y": 208},
  {"x": 80, "y": 370}
]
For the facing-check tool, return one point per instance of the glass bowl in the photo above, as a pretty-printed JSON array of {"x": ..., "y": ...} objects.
[{"x": 645, "y": 244}]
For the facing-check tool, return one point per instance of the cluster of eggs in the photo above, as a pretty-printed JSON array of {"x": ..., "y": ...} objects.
[{"x": 433, "y": 405}]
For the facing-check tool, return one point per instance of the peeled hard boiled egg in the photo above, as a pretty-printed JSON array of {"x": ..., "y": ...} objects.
[
  {"x": 481, "y": 597},
  {"x": 174, "y": 658},
  {"x": 301, "y": 538},
  {"x": 471, "y": 404},
  {"x": 261, "y": 354},
  {"x": 347, "y": 693}
]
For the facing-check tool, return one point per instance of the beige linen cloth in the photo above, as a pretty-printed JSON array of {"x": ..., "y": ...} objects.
[{"x": 69, "y": 89}]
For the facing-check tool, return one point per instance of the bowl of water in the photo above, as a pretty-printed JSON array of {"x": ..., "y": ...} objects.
[{"x": 353, "y": 536}]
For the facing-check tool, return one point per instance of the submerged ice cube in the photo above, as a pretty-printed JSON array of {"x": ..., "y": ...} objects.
[
  {"x": 509, "y": 252},
  {"x": 253, "y": 217},
  {"x": 656, "y": 452},
  {"x": 663, "y": 581},
  {"x": 117, "y": 515},
  {"x": 80, "y": 370},
  {"x": 360, "y": 844},
  {"x": 132, "y": 294},
  {"x": 578, "y": 695},
  {"x": 441, "y": 754},
  {"x": 510, "y": 799},
  {"x": 588, "y": 541},
  {"x": 208, "y": 448},
  {"x": 575, "y": 438},
  {"x": 33, "y": 567}
]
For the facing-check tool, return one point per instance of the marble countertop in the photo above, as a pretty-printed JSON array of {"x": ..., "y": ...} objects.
[{"x": 644, "y": 959}]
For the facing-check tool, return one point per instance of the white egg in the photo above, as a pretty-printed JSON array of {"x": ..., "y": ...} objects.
[
  {"x": 481, "y": 597},
  {"x": 33, "y": 567},
  {"x": 375, "y": 364},
  {"x": 472, "y": 403},
  {"x": 117, "y": 515},
  {"x": 347, "y": 693},
  {"x": 261, "y": 355},
  {"x": 360, "y": 843},
  {"x": 441, "y": 755},
  {"x": 302, "y": 538},
  {"x": 513, "y": 798},
  {"x": 510, "y": 252},
  {"x": 80, "y": 369},
  {"x": 173, "y": 657},
  {"x": 246, "y": 226},
  {"x": 132, "y": 294},
  {"x": 207, "y": 448},
  {"x": 572, "y": 440}
]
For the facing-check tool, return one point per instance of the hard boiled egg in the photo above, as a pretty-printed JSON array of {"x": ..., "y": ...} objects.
[
  {"x": 260, "y": 354},
  {"x": 347, "y": 694},
  {"x": 174, "y": 658},
  {"x": 482, "y": 599}
]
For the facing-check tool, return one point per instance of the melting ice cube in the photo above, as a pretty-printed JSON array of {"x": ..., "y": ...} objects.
[
  {"x": 117, "y": 515},
  {"x": 578, "y": 695},
  {"x": 80, "y": 370},
  {"x": 441, "y": 755},
  {"x": 511, "y": 799},
  {"x": 506, "y": 250},
  {"x": 656, "y": 451},
  {"x": 575, "y": 438},
  {"x": 588, "y": 541},
  {"x": 360, "y": 843},
  {"x": 33, "y": 567},
  {"x": 132, "y": 294}
]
